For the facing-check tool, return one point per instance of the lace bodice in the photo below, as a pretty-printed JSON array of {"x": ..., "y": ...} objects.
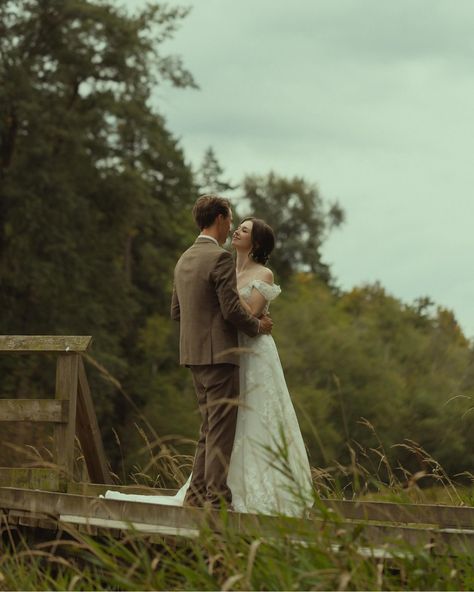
[{"x": 268, "y": 291}]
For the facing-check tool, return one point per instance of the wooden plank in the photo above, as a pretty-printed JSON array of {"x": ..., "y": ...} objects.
[
  {"x": 35, "y": 478},
  {"x": 54, "y": 503},
  {"x": 121, "y": 525},
  {"x": 33, "y": 520},
  {"x": 429, "y": 514},
  {"x": 117, "y": 514},
  {"x": 96, "y": 489},
  {"x": 175, "y": 517},
  {"x": 12, "y": 517},
  {"x": 44, "y": 410},
  {"x": 44, "y": 343},
  {"x": 69, "y": 504},
  {"x": 370, "y": 535},
  {"x": 88, "y": 432},
  {"x": 444, "y": 516},
  {"x": 64, "y": 434}
]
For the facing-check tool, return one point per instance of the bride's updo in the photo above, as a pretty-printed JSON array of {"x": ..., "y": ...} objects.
[{"x": 263, "y": 240}]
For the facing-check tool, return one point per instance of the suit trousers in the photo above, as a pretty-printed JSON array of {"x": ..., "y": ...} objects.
[{"x": 217, "y": 390}]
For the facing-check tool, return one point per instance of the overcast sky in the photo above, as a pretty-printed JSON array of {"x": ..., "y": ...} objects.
[{"x": 372, "y": 100}]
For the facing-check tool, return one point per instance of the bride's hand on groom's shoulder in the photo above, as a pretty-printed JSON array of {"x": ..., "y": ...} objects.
[{"x": 266, "y": 325}]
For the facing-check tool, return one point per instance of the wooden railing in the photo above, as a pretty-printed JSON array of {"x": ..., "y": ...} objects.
[{"x": 71, "y": 411}]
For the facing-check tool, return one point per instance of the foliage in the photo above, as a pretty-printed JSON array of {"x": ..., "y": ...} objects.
[
  {"x": 92, "y": 184},
  {"x": 95, "y": 200},
  {"x": 299, "y": 217},
  {"x": 209, "y": 175},
  {"x": 363, "y": 358},
  {"x": 95, "y": 208}
]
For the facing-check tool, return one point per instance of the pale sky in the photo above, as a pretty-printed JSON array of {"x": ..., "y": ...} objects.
[{"x": 371, "y": 100}]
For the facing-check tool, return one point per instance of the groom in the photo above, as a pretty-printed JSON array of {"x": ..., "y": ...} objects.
[{"x": 206, "y": 302}]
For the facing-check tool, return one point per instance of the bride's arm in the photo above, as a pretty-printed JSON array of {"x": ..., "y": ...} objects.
[
  {"x": 245, "y": 306},
  {"x": 255, "y": 305}
]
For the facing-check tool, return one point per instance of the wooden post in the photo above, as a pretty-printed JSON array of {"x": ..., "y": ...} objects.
[
  {"x": 66, "y": 390},
  {"x": 89, "y": 434},
  {"x": 72, "y": 402}
]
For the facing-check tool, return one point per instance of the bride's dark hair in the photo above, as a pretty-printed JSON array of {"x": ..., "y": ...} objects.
[{"x": 263, "y": 240}]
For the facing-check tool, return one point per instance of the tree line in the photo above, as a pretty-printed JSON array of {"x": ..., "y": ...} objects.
[{"x": 95, "y": 208}]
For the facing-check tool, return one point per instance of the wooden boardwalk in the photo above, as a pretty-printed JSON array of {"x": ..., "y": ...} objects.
[
  {"x": 442, "y": 529},
  {"x": 47, "y": 497}
]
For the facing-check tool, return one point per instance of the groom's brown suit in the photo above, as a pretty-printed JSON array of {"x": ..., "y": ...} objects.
[{"x": 206, "y": 302}]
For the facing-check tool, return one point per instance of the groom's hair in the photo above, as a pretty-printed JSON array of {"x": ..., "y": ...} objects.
[{"x": 207, "y": 208}]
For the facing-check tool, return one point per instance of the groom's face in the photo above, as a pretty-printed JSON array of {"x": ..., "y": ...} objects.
[{"x": 225, "y": 226}]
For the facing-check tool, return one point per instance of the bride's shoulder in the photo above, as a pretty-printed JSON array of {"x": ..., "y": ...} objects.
[
  {"x": 263, "y": 283},
  {"x": 264, "y": 274}
]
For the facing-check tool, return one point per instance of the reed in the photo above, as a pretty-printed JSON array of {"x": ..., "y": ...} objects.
[
  {"x": 317, "y": 555},
  {"x": 328, "y": 559}
]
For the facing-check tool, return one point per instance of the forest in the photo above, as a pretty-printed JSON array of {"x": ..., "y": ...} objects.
[{"x": 95, "y": 208}]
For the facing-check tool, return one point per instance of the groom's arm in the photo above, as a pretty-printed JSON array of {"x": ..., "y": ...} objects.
[
  {"x": 175, "y": 310},
  {"x": 226, "y": 288}
]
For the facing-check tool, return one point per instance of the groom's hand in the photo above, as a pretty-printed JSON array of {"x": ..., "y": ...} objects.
[{"x": 266, "y": 325}]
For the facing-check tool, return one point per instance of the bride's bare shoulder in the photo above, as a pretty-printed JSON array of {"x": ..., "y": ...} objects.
[{"x": 264, "y": 274}]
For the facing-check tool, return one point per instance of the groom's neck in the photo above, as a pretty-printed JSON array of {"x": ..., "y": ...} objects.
[{"x": 211, "y": 232}]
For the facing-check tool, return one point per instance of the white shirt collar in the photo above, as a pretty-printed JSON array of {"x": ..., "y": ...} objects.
[{"x": 209, "y": 237}]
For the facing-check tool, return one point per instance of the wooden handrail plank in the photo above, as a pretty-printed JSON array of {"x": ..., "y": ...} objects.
[
  {"x": 36, "y": 410},
  {"x": 44, "y": 343},
  {"x": 88, "y": 432},
  {"x": 445, "y": 516}
]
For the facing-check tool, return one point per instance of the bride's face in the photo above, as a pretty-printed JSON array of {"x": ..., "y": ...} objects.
[{"x": 242, "y": 237}]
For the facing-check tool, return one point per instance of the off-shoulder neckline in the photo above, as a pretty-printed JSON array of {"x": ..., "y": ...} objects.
[{"x": 261, "y": 281}]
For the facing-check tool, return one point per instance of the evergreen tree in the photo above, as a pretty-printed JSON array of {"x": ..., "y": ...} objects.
[
  {"x": 92, "y": 184},
  {"x": 209, "y": 175},
  {"x": 299, "y": 217}
]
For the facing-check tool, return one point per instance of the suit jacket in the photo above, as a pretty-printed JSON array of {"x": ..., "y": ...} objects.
[{"x": 206, "y": 302}]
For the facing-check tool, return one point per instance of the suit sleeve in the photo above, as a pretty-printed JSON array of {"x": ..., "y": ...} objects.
[
  {"x": 226, "y": 289},
  {"x": 175, "y": 310}
]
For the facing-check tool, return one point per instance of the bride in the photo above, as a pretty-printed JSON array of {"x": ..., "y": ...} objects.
[{"x": 269, "y": 472}]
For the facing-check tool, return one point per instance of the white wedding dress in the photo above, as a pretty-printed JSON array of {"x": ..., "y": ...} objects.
[{"x": 269, "y": 472}]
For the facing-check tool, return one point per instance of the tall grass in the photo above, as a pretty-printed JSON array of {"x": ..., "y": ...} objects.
[
  {"x": 315, "y": 554},
  {"x": 328, "y": 559}
]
